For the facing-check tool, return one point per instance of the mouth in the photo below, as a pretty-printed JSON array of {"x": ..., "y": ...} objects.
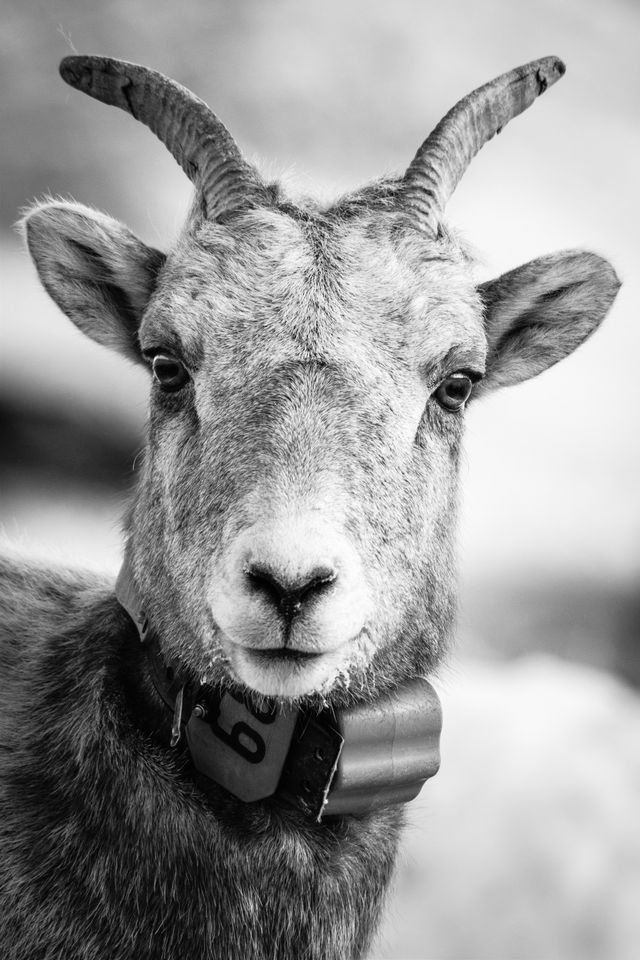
[
  {"x": 281, "y": 655},
  {"x": 283, "y": 671}
]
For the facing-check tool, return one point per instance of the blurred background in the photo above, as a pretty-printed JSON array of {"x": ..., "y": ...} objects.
[{"x": 527, "y": 844}]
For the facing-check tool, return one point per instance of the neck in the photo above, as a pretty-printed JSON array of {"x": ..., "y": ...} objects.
[{"x": 332, "y": 763}]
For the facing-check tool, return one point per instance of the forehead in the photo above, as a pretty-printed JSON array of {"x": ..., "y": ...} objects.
[{"x": 269, "y": 285}]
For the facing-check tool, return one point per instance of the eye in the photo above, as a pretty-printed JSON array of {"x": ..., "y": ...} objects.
[
  {"x": 170, "y": 373},
  {"x": 454, "y": 391}
]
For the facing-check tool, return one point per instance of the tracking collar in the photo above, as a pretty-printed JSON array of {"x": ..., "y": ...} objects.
[{"x": 333, "y": 763}]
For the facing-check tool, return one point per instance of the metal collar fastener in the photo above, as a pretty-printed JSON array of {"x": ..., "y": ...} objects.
[{"x": 334, "y": 763}]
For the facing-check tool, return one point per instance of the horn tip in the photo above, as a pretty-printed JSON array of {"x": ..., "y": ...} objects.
[
  {"x": 81, "y": 71},
  {"x": 549, "y": 70},
  {"x": 69, "y": 70},
  {"x": 77, "y": 71}
]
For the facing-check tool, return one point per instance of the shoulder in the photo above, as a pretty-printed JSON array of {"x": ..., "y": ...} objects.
[
  {"x": 40, "y": 600},
  {"x": 29, "y": 587}
]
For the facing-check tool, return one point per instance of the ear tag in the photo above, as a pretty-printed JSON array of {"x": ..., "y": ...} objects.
[{"x": 242, "y": 749}]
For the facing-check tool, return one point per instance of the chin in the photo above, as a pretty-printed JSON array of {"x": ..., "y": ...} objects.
[{"x": 288, "y": 675}]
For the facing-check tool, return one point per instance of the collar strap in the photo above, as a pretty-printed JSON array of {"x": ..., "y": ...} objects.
[{"x": 328, "y": 764}]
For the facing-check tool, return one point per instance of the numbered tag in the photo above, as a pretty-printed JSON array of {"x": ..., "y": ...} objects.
[{"x": 241, "y": 748}]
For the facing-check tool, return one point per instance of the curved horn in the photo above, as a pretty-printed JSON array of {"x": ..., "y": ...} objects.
[
  {"x": 200, "y": 143},
  {"x": 439, "y": 164}
]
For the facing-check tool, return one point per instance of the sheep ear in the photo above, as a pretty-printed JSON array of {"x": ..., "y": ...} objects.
[
  {"x": 540, "y": 312},
  {"x": 95, "y": 269}
]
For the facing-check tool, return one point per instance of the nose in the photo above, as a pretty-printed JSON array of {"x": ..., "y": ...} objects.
[
  {"x": 294, "y": 579},
  {"x": 288, "y": 594}
]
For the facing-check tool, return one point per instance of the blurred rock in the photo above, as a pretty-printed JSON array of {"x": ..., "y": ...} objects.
[
  {"x": 590, "y": 621},
  {"x": 42, "y": 443}
]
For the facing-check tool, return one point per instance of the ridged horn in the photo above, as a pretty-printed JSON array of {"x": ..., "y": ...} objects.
[
  {"x": 439, "y": 164},
  {"x": 189, "y": 129}
]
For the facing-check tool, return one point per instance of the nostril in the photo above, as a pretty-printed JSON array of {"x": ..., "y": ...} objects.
[
  {"x": 290, "y": 594},
  {"x": 264, "y": 581}
]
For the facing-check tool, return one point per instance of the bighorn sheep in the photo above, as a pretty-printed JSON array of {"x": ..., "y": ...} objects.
[{"x": 289, "y": 549}]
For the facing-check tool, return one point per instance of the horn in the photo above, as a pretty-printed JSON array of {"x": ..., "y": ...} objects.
[
  {"x": 200, "y": 142},
  {"x": 439, "y": 164}
]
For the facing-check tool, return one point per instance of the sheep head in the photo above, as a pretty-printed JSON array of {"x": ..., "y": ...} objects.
[{"x": 292, "y": 531}]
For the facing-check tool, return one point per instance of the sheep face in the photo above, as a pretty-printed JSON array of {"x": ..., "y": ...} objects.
[{"x": 294, "y": 522}]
